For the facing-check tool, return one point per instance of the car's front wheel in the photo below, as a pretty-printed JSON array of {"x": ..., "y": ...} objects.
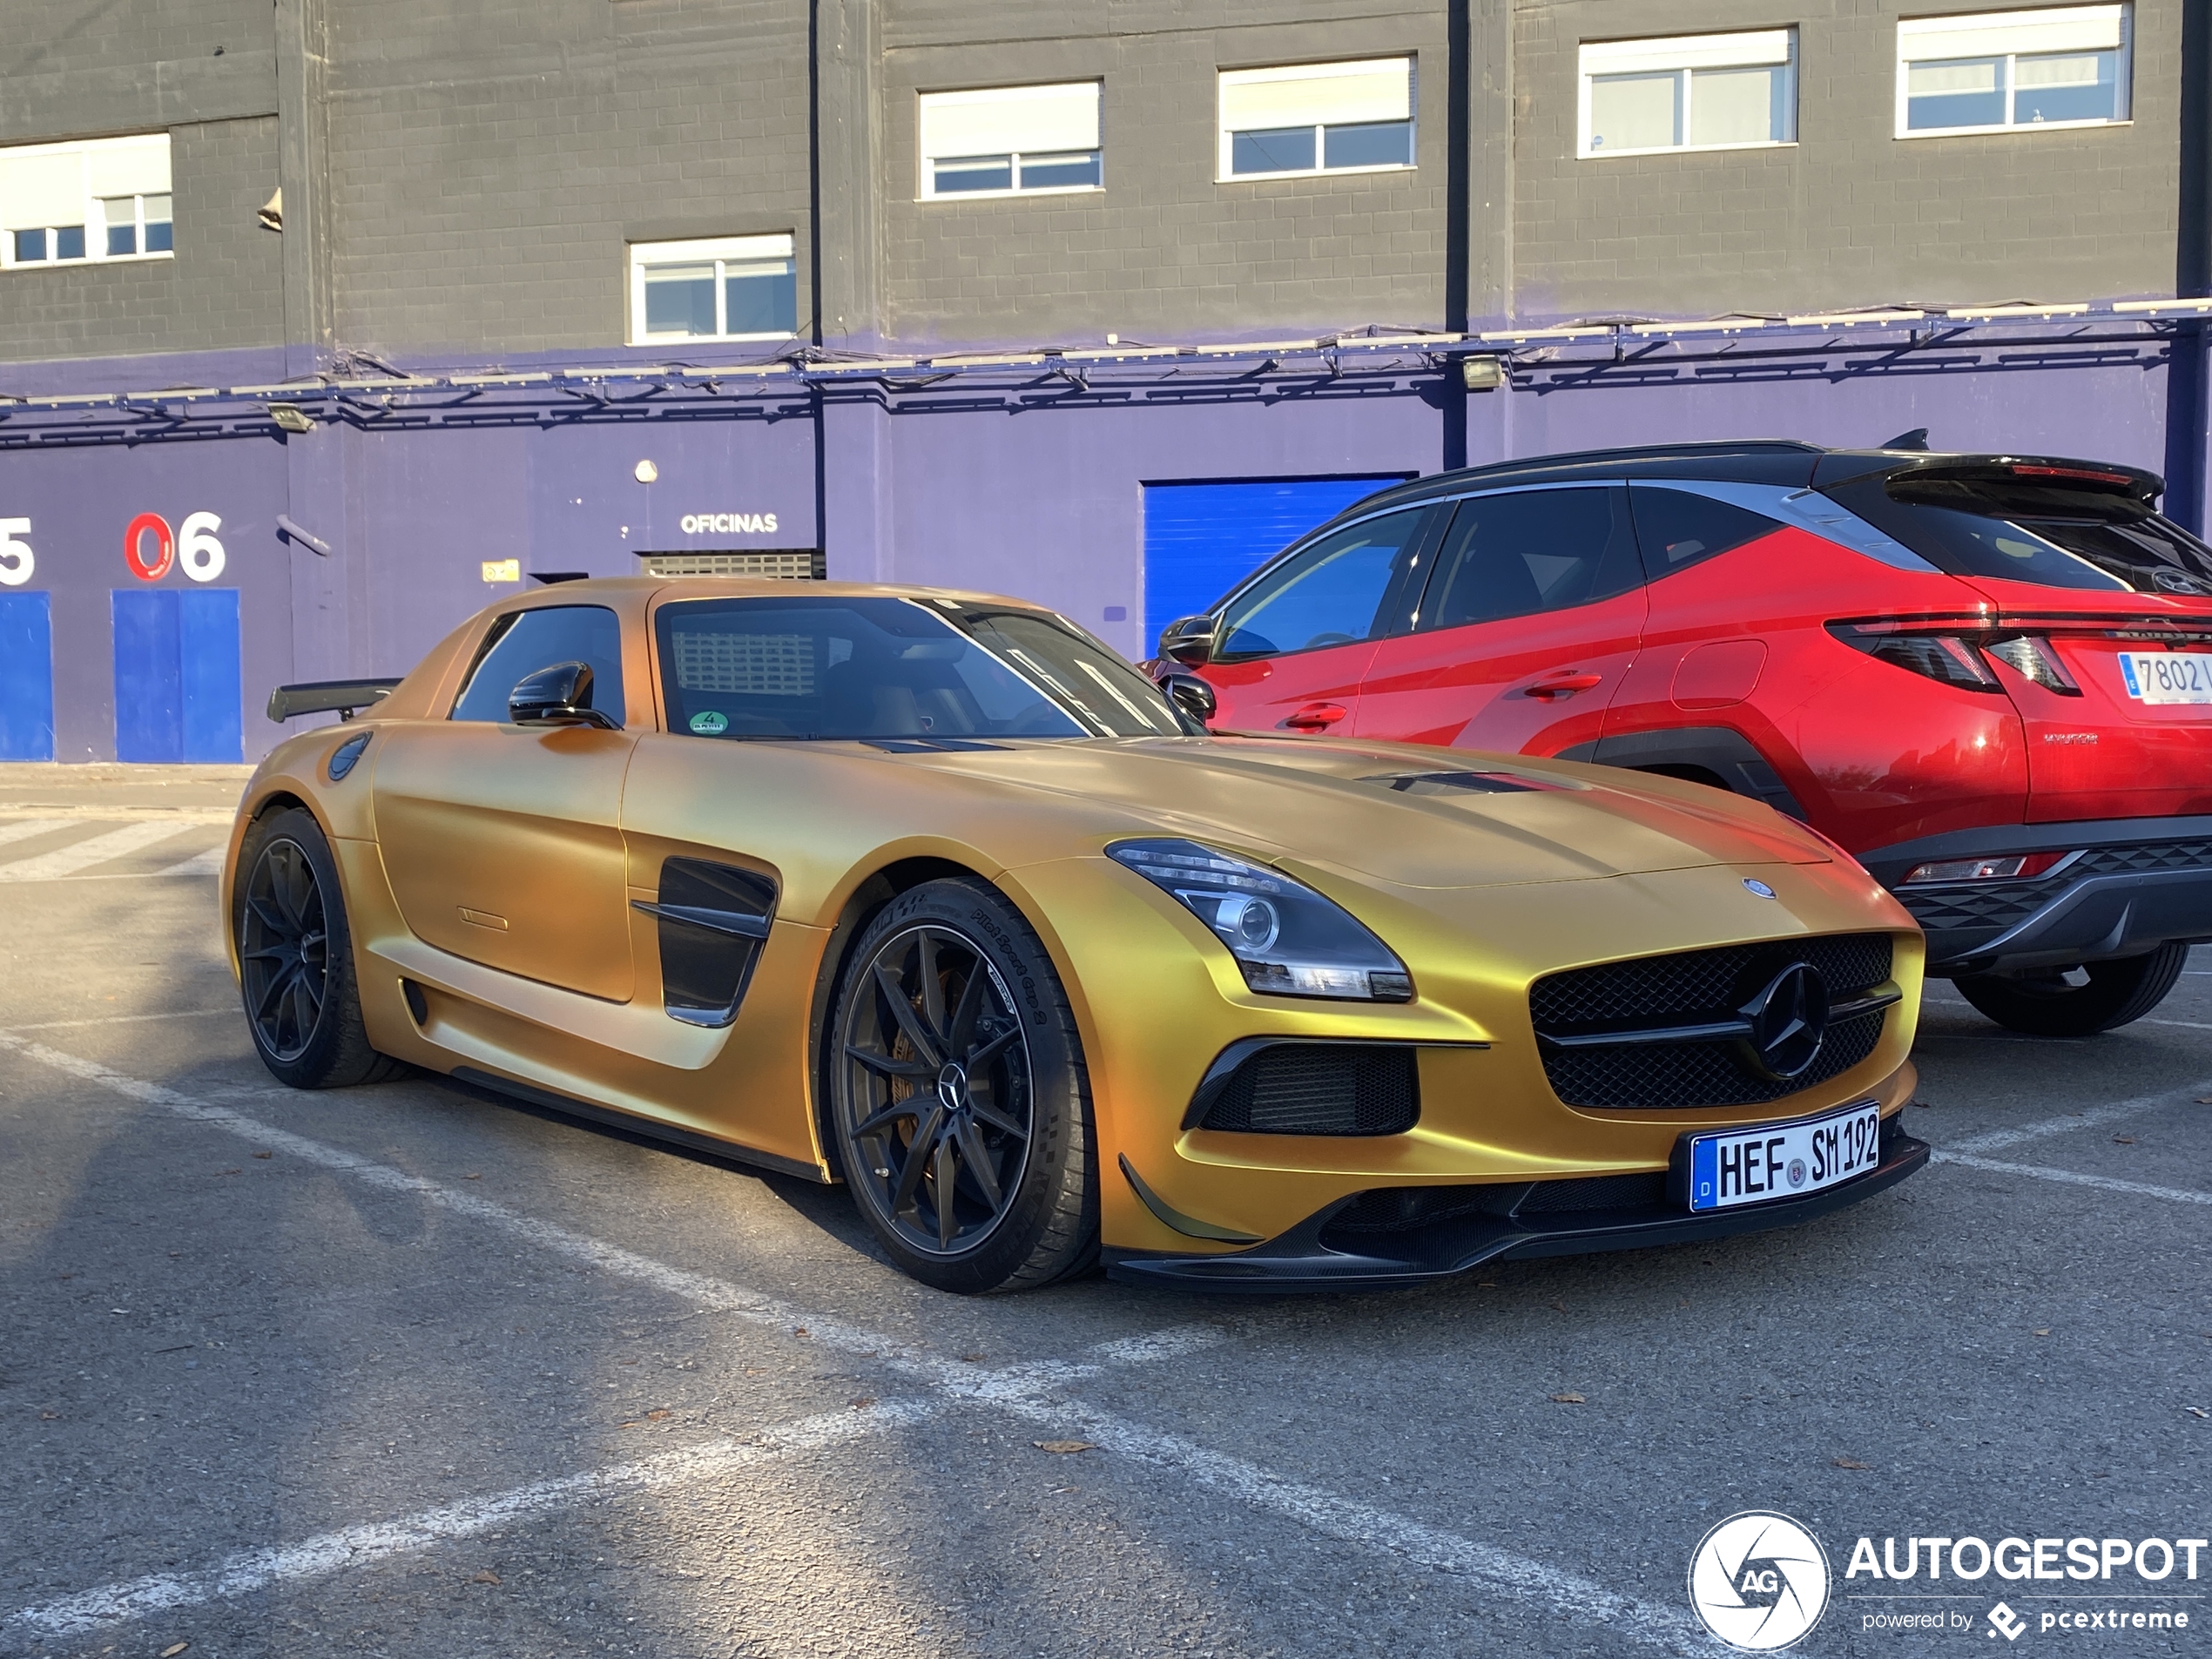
[
  {"x": 2081, "y": 1002},
  {"x": 295, "y": 957},
  {"x": 958, "y": 1094}
]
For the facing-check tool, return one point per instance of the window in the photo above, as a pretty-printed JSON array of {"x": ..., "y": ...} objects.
[
  {"x": 524, "y": 642},
  {"x": 1011, "y": 141},
  {"x": 732, "y": 287},
  {"x": 2064, "y": 66},
  {"x": 103, "y": 199},
  {"x": 1527, "y": 550},
  {"x": 1695, "y": 92},
  {"x": 1680, "y": 528},
  {"x": 1317, "y": 117},
  {"x": 946, "y": 675},
  {"x": 1335, "y": 592}
]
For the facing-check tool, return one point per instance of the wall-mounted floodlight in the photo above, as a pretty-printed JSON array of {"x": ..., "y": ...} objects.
[
  {"x": 292, "y": 417},
  {"x": 1482, "y": 374}
]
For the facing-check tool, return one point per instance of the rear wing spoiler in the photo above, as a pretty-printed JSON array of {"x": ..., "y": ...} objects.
[{"x": 320, "y": 697}]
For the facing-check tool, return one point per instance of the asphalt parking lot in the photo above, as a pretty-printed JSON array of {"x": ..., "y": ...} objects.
[{"x": 411, "y": 1370}]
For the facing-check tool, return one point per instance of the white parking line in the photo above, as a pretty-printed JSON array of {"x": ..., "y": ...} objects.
[
  {"x": 2186, "y": 1025},
  {"x": 90, "y": 1612},
  {"x": 98, "y": 849},
  {"x": 24, "y": 831},
  {"x": 2075, "y": 1179},
  {"x": 1023, "y": 1389},
  {"x": 125, "y": 1019},
  {"x": 1997, "y": 1140}
]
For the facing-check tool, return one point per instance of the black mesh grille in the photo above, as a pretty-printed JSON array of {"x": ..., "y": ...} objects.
[
  {"x": 1596, "y": 1192},
  {"x": 1320, "y": 1089},
  {"x": 2154, "y": 855},
  {"x": 1690, "y": 987},
  {"x": 2002, "y": 904}
]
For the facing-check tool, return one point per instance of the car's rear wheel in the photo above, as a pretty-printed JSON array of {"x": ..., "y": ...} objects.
[
  {"x": 2079, "y": 1002},
  {"x": 296, "y": 958},
  {"x": 958, "y": 1095}
]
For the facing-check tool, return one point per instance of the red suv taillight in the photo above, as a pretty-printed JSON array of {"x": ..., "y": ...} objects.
[{"x": 1937, "y": 649}]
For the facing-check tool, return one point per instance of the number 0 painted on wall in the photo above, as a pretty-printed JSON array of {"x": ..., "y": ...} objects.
[
  {"x": 198, "y": 551},
  {"x": 16, "y": 560}
]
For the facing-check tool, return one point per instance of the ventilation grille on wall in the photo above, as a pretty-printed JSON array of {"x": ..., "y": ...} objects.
[{"x": 805, "y": 565}]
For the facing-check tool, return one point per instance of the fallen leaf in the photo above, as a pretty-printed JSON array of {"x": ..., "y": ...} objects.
[
  {"x": 799, "y": 1331},
  {"x": 265, "y": 1155},
  {"x": 659, "y": 1414},
  {"x": 2123, "y": 1140},
  {"x": 173, "y": 1649},
  {"x": 2204, "y": 1100},
  {"x": 862, "y": 1402},
  {"x": 50, "y": 1417},
  {"x": 973, "y": 1359},
  {"x": 2045, "y": 1332},
  {"x": 2196, "y": 1411},
  {"x": 1065, "y": 1445},
  {"x": 1851, "y": 1463},
  {"x": 1560, "y": 1306},
  {"x": 1568, "y": 1399},
  {"x": 1485, "y": 1284},
  {"x": 485, "y": 1577},
  {"x": 472, "y": 1177}
]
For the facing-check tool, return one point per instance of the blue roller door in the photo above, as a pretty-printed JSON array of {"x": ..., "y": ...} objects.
[
  {"x": 1201, "y": 539},
  {"x": 177, "y": 675},
  {"x": 26, "y": 677}
]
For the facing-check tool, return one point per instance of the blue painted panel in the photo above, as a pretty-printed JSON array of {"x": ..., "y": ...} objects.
[
  {"x": 1201, "y": 539},
  {"x": 26, "y": 677},
  {"x": 149, "y": 678},
  {"x": 208, "y": 660}
]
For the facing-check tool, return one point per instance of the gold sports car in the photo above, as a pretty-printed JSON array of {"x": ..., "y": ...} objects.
[{"x": 932, "y": 894}]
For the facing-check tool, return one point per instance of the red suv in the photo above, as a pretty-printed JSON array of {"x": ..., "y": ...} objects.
[{"x": 1988, "y": 677}]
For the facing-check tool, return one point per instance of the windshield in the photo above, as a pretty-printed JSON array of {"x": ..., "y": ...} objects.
[
  {"x": 2052, "y": 534},
  {"x": 875, "y": 668}
]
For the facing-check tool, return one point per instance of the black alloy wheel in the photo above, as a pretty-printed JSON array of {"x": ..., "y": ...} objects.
[
  {"x": 295, "y": 958},
  {"x": 284, "y": 950},
  {"x": 961, "y": 1114},
  {"x": 2077, "y": 1002}
]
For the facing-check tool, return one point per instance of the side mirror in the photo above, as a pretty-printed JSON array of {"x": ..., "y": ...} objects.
[
  {"x": 560, "y": 695},
  {"x": 1191, "y": 695},
  {"x": 1189, "y": 640}
]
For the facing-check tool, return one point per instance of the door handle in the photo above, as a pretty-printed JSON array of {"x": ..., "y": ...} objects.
[
  {"x": 1565, "y": 684},
  {"x": 1316, "y": 717}
]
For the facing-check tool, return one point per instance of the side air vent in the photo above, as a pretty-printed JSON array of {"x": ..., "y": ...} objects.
[
  {"x": 1311, "y": 1089},
  {"x": 805, "y": 565},
  {"x": 714, "y": 921}
]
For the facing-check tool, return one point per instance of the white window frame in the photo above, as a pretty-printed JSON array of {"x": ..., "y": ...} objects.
[
  {"x": 925, "y": 184},
  {"x": 88, "y": 153},
  {"x": 1910, "y": 29},
  {"x": 1226, "y": 136},
  {"x": 1682, "y": 55},
  {"x": 721, "y": 252}
]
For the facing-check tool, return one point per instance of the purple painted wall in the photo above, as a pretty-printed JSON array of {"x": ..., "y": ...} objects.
[{"x": 1021, "y": 485}]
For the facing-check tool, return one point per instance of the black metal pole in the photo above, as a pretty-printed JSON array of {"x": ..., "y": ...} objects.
[
  {"x": 814, "y": 257},
  {"x": 2186, "y": 390},
  {"x": 1459, "y": 215}
]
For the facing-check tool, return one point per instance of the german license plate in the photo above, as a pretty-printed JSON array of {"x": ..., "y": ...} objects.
[
  {"x": 1772, "y": 1161},
  {"x": 2168, "y": 676}
]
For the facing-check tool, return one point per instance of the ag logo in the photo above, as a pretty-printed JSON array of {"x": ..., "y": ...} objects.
[{"x": 1759, "y": 1581}]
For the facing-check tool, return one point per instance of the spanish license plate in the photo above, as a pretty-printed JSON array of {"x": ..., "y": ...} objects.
[
  {"x": 1772, "y": 1161},
  {"x": 2168, "y": 676}
]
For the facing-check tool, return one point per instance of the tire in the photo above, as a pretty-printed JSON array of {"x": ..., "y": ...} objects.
[
  {"x": 296, "y": 958},
  {"x": 2045, "y": 1006},
  {"x": 958, "y": 1097}
]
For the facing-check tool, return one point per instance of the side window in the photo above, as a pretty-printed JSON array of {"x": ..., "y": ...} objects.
[
  {"x": 535, "y": 639},
  {"x": 1528, "y": 550},
  {"x": 1677, "y": 528},
  {"x": 1332, "y": 593}
]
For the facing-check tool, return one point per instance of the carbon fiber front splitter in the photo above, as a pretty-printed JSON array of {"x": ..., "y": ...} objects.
[{"x": 1313, "y": 1256}]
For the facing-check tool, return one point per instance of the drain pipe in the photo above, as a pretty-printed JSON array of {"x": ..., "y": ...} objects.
[
  {"x": 1459, "y": 214},
  {"x": 2187, "y": 400}
]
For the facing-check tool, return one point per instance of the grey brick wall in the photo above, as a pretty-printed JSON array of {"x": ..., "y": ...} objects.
[
  {"x": 73, "y": 69},
  {"x": 488, "y": 162},
  {"x": 224, "y": 289},
  {"x": 1164, "y": 250},
  {"x": 1850, "y": 215}
]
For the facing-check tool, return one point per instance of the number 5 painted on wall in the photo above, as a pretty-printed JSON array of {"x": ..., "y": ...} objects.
[{"x": 16, "y": 560}]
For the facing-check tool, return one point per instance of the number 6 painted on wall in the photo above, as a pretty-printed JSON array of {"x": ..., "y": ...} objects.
[
  {"x": 197, "y": 548},
  {"x": 16, "y": 560}
]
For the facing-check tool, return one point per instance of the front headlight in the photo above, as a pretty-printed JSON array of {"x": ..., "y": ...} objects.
[{"x": 1289, "y": 940}]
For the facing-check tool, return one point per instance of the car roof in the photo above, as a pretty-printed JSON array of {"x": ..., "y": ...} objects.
[
  {"x": 649, "y": 587},
  {"x": 1785, "y": 462}
]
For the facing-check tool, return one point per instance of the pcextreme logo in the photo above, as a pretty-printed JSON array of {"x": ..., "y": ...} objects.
[{"x": 1759, "y": 1581}]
